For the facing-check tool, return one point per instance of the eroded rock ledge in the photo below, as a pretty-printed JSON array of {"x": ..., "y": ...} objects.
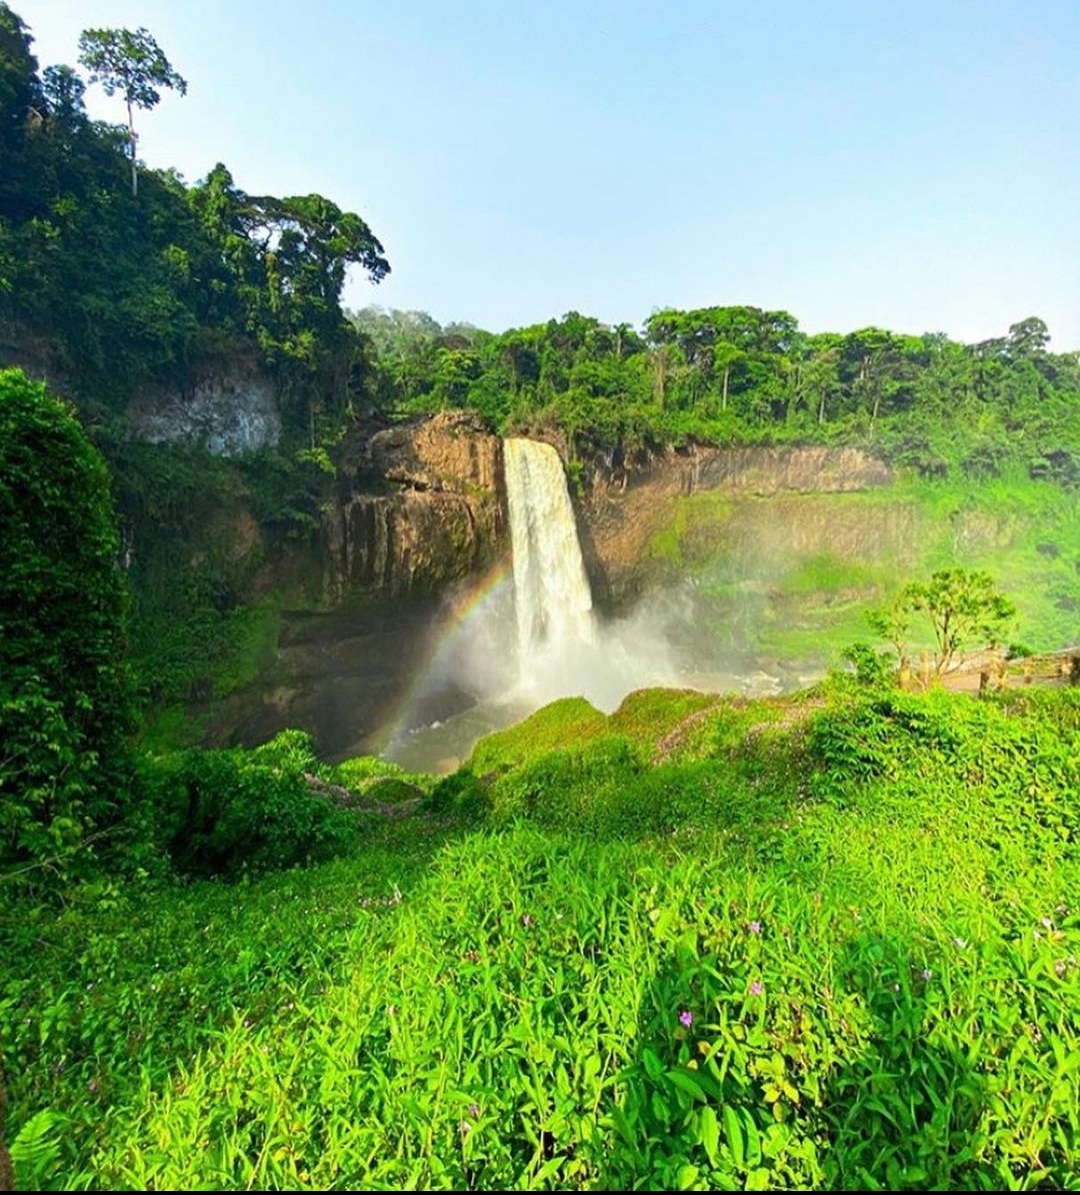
[{"x": 438, "y": 518}]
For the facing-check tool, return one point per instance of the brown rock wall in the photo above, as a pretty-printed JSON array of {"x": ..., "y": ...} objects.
[
  {"x": 438, "y": 519},
  {"x": 626, "y": 507},
  {"x": 449, "y": 451}
]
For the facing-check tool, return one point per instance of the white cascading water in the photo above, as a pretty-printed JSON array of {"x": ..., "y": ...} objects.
[
  {"x": 561, "y": 649},
  {"x": 562, "y": 652},
  {"x": 552, "y": 599}
]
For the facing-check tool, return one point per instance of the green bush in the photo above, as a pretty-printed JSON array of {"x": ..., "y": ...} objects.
[
  {"x": 566, "y": 787},
  {"x": 461, "y": 795},
  {"x": 873, "y": 669},
  {"x": 224, "y": 812},
  {"x": 64, "y": 694}
]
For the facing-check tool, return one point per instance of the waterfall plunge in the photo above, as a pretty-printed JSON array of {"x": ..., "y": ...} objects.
[
  {"x": 552, "y": 600},
  {"x": 561, "y": 650}
]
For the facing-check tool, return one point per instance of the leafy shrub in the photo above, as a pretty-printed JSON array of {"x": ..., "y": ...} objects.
[
  {"x": 227, "y": 811},
  {"x": 878, "y": 738},
  {"x": 984, "y": 461},
  {"x": 1059, "y": 466},
  {"x": 873, "y": 669},
  {"x": 565, "y": 787},
  {"x": 378, "y": 778},
  {"x": 461, "y": 795}
]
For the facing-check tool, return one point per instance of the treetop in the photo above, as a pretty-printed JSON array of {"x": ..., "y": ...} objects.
[{"x": 131, "y": 63}]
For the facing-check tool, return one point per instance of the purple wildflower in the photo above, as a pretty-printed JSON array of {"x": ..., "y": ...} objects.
[
  {"x": 686, "y": 1018},
  {"x": 756, "y": 989},
  {"x": 754, "y": 927},
  {"x": 474, "y": 1111}
]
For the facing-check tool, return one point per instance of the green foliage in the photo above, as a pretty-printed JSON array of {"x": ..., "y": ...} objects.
[
  {"x": 562, "y": 723},
  {"x": 134, "y": 65},
  {"x": 648, "y": 715},
  {"x": 131, "y": 63},
  {"x": 963, "y": 607},
  {"x": 826, "y": 573},
  {"x": 852, "y": 965},
  {"x": 764, "y": 584},
  {"x": 872, "y": 668},
  {"x": 226, "y": 812},
  {"x": 140, "y": 292},
  {"x": 567, "y": 786},
  {"x": 200, "y": 529},
  {"x": 742, "y": 374},
  {"x": 64, "y": 691},
  {"x": 366, "y": 773}
]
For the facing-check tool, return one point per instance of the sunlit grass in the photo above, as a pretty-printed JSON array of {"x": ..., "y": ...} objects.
[{"x": 818, "y": 943}]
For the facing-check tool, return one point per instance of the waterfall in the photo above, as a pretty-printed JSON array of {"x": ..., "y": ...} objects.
[
  {"x": 562, "y": 649},
  {"x": 552, "y": 600}
]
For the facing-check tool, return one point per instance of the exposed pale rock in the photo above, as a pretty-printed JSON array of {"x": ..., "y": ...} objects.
[{"x": 230, "y": 410}]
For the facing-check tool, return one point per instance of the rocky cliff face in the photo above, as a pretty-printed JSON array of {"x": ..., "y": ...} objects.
[
  {"x": 448, "y": 452},
  {"x": 627, "y": 504},
  {"x": 438, "y": 519},
  {"x": 229, "y": 408},
  {"x": 426, "y": 503},
  {"x": 422, "y": 507}
]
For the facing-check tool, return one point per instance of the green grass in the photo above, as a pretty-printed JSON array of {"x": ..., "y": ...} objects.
[
  {"x": 817, "y": 943},
  {"x": 569, "y": 720},
  {"x": 824, "y": 573}
]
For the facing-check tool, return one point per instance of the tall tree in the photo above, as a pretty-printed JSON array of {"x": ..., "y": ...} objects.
[{"x": 134, "y": 65}]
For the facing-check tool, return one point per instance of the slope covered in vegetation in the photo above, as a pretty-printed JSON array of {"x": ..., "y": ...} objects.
[
  {"x": 118, "y": 291},
  {"x": 826, "y": 942}
]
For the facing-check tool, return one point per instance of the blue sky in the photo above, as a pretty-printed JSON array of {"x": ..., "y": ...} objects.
[{"x": 914, "y": 165}]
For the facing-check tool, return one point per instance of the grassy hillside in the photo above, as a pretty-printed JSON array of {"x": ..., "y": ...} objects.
[{"x": 822, "y": 942}]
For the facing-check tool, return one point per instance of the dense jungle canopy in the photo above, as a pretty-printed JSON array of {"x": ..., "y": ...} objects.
[{"x": 118, "y": 292}]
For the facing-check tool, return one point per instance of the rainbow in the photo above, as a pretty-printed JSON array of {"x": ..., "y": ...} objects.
[{"x": 460, "y": 617}]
